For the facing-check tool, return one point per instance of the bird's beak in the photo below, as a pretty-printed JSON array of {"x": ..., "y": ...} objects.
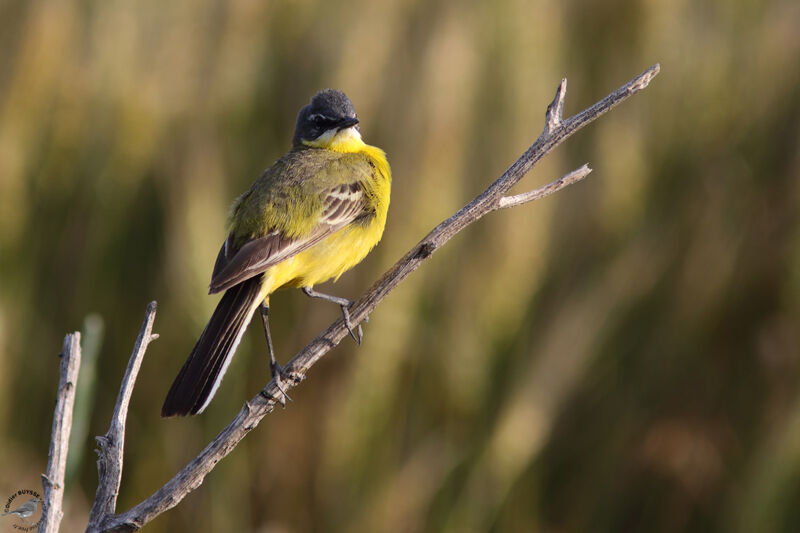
[{"x": 346, "y": 123}]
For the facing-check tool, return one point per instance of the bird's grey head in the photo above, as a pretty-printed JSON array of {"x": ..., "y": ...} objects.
[{"x": 329, "y": 110}]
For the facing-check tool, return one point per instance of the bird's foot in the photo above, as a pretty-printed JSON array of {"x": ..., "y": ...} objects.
[
  {"x": 345, "y": 304},
  {"x": 349, "y": 323},
  {"x": 279, "y": 376}
]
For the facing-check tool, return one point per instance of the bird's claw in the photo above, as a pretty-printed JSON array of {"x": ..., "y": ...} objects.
[
  {"x": 349, "y": 324},
  {"x": 279, "y": 376}
]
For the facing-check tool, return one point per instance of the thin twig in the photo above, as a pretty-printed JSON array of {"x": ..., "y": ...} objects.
[
  {"x": 556, "y": 130},
  {"x": 546, "y": 190},
  {"x": 53, "y": 480},
  {"x": 111, "y": 445}
]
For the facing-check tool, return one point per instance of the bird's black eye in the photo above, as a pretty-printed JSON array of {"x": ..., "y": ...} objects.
[{"x": 318, "y": 120}]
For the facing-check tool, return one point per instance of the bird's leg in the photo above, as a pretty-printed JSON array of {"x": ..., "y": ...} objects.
[
  {"x": 275, "y": 369},
  {"x": 344, "y": 303}
]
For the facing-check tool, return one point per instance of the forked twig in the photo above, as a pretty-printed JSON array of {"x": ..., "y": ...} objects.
[{"x": 111, "y": 445}]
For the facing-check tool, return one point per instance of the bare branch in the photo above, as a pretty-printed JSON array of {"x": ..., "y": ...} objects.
[
  {"x": 546, "y": 190},
  {"x": 53, "y": 480},
  {"x": 556, "y": 130},
  {"x": 554, "y": 116},
  {"x": 111, "y": 445}
]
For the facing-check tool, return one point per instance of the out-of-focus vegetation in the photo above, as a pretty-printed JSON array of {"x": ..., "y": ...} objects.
[{"x": 623, "y": 356}]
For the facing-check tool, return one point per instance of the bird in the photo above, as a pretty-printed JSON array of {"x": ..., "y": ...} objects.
[
  {"x": 312, "y": 215},
  {"x": 25, "y": 510}
]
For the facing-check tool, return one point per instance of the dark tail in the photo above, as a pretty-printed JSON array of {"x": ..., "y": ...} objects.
[{"x": 202, "y": 372}]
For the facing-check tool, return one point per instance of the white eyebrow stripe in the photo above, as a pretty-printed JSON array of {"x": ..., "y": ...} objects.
[{"x": 316, "y": 116}]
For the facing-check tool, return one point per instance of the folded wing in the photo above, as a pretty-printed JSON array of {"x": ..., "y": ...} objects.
[{"x": 342, "y": 205}]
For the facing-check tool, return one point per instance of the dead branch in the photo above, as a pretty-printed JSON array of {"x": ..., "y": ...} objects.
[
  {"x": 111, "y": 445},
  {"x": 53, "y": 480}
]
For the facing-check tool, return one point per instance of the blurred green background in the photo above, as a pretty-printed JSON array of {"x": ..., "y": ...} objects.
[{"x": 622, "y": 356}]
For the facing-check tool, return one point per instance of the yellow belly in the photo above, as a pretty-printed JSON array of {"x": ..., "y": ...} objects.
[{"x": 328, "y": 259}]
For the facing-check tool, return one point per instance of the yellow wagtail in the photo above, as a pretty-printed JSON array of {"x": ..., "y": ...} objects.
[{"x": 315, "y": 213}]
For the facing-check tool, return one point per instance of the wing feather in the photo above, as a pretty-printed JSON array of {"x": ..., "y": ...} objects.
[{"x": 342, "y": 205}]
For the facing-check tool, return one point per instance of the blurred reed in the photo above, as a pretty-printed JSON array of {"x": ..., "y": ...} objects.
[{"x": 621, "y": 357}]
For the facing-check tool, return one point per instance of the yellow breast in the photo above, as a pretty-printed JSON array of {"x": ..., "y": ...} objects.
[{"x": 335, "y": 254}]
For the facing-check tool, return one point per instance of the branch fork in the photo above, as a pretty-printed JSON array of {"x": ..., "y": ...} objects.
[{"x": 111, "y": 445}]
